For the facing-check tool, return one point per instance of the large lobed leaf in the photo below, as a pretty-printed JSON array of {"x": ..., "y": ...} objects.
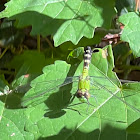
[
  {"x": 131, "y": 31},
  {"x": 12, "y": 119},
  {"x": 58, "y": 118},
  {"x": 12, "y": 124},
  {"x": 66, "y": 20}
]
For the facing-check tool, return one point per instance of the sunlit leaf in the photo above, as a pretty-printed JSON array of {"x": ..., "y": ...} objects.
[{"x": 66, "y": 20}]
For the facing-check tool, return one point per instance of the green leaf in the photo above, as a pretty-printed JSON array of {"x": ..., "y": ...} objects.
[
  {"x": 131, "y": 93},
  {"x": 76, "y": 53},
  {"x": 3, "y": 84},
  {"x": 9, "y": 35},
  {"x": 125, "y": 6},
  {"x": 11, "y": 95},
  {"x": 108, "y": 113},
  {"x": 66, "y": 20},
  {"x": 12, "y": 124},
  {"x": 28, "y": 62},
  {"x": 48, "y": 80},
  {"x": 134, "y": 128},
  {"x": 12, "y": 117},
  {"x": 131, "y": 31}
]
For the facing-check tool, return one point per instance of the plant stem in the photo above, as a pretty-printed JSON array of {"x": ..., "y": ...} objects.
[
  {"x": 7, "y": 72},
  {"x": 38, "y": 43},
  {"x": 126, "y": 55},
  {"x": 137, "y": 5},
  {"x": 131, "y": 67},
  {"x": 49, "y": 42},
  {"x": 4, "y": 52}
]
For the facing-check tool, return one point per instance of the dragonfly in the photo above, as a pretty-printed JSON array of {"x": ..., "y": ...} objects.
[{"x": 83, "y": 87}]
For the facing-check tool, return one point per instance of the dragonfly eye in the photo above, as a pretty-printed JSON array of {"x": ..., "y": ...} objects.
[
  {"x": 86, "y": 95},
  {"x": 79, "y": 94}
]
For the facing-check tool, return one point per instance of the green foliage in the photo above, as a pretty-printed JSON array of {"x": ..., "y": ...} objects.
[
  {"x": 134, "y": 127},
  {"x": 70, "y": 21},
  {"x": 38, "y": 81},
  {"x": 131, "y": 31}
]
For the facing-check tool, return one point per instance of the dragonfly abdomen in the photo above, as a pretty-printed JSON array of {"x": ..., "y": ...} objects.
[{"x": 87, "y": 57}]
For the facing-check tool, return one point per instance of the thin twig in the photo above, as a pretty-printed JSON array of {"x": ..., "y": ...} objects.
[
  {"x": 4, "y": 52},
  {"x": 38, "y": 43},
  {"x": 49, "y": 42},
  {"x": 137, "y": 5}
]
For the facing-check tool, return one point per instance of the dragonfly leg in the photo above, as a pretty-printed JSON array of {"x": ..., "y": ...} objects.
[
  {"x": 88, "y": 106},
  {"x": 87, "y": 96},
  {"x": 87, "y": 109},
  {"x": 89, "y": 103},
  {"x": 72, "y": 98},
  {"x": 95, "y": 98},
  {"x": 75, "y": 110}
]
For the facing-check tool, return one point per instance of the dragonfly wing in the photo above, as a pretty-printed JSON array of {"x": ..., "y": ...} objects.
[
  {"x": 41, "y": 90},
  {"x": 105, "y": 94},
  {"x": 108, "y": 102},
  {"x": 105, "y": 80}
]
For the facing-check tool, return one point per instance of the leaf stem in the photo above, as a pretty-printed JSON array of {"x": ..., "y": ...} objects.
[
  {"x": 49, "y": 42},
  {"x": 126, "y": 55},
  {"x": 137, "y": 4},
  {"x": 131, "y": 67},
  {"x": 119, "y": 42},
  {"x": 38, "y": 43},
  {"x": 6, "y": 72},
  {"x": 4, "y": 52}
]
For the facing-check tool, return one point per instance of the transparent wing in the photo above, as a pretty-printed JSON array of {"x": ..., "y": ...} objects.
[
  {"x": 113, "y": 93},
  {"x": 45, "y": 88},
  {"x": 107, "y": 96},
  {"x": 108, "y": 100},
  {"x": 41, "y": 90}
]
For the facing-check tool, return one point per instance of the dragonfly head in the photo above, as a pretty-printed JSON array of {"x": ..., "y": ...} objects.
[{"x": 83, "y": 95}]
